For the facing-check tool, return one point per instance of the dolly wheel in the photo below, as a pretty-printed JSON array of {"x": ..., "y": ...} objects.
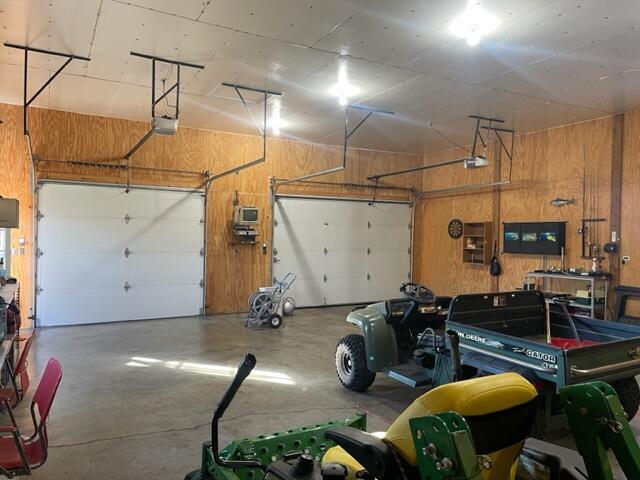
[
  {"x": 351, "y": 363},
  {"x": 629, "y": 395},
  {"x": 275, "y": 321},
  {"x": 198, "y": 475}
]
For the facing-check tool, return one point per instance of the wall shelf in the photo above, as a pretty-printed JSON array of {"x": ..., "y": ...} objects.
[{"x": 477, "y": 240}]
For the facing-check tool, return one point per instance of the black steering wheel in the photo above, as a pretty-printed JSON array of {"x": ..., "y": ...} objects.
[{"x": 418, "y": 293}]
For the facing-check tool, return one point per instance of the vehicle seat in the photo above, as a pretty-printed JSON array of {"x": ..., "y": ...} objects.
[
  {"x": 406, "y": 313},
  {"x": 499, "y": 409}
]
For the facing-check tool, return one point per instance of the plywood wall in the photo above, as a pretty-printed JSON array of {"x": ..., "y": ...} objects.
[
  {"x": 630, "y": 227},
  {"x": 546, "y": 165},
  {"x": 15, "y": 182},
  {"x": 234, "y": 271},
  {"x": 437, "y": 257}
]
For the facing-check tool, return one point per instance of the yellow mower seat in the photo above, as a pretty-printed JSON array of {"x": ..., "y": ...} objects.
[{"x": 499, "y": 410}]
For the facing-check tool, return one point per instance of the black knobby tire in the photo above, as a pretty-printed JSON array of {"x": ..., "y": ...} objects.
[
  {"x": 275, "y": 321},
  {"x": 351, "y": 363},
  {"x": 198, "y": 475},
  {"x": 629, "y": 395}
]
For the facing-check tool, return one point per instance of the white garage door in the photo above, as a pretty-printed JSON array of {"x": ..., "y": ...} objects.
[
  {"x": 342, "y": 251},
  {"x": 106, "y": 255}
]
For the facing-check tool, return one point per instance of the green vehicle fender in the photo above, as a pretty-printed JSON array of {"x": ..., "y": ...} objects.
[{"x": 379, "y": 337}]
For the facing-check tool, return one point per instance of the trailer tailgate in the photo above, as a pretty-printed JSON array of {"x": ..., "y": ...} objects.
[{"x": 605, "y": 361}]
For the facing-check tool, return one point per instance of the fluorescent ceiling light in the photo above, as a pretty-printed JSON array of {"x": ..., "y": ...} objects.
[
  {"x": 276, "y": 123},
  {"x": 473, "y": 23},
  {"x": 343, "y": 89}
]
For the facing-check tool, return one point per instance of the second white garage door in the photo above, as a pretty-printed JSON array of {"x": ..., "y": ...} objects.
[
  {"x": 107, "y": 255},
  {"x": 342, "y": 251}
]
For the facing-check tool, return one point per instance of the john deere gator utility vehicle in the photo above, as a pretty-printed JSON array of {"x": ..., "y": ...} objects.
[{"x": 424, "y": 340}]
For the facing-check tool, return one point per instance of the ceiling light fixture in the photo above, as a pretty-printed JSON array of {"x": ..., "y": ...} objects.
[
  {"x": 275, "y": 118},
  {"x": 343, "y": 89},
  {"x": 275, "y": 122},
  {"x": 473, "y": 23}
]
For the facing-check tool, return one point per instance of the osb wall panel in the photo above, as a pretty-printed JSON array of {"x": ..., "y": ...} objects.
[
  {"x": 437, "y": 257},
  {"x": 233, "y": 271},
  {"x": 547, "y": 164},
  {"x": 630, "y": 227},
  {"x": 552, "y": 164},
  {"x": 15, "y": 182}
]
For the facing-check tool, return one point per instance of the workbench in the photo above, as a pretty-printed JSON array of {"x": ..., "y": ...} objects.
[{"x": 566, "y": 283}]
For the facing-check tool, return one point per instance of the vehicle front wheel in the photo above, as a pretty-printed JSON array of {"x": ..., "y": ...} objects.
[
  {"x": 629, "y": 395},
  {"x": 351, "y": 363}
]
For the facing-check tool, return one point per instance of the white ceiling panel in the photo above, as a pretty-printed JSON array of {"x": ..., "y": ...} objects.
[
  {"x": 191, "y": 9},
  {"x": 259, "y": 62},
  {"x": 12, "y": 81},
  {"x": 122, "y": 29},
  {"x": 549, "y": 62},
  {"x": 61, "y": 25},
  {"x": 100, "y": 97},
  {"x": 302, "y": 22}
]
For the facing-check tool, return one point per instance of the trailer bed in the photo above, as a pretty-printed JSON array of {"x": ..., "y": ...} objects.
[{"x": 510, "y": 329}]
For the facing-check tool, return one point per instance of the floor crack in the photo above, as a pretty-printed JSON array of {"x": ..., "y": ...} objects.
[{"x": 196, "y": 427}]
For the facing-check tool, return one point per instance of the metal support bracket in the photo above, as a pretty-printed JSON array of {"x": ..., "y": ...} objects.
[
  {"x": 26, "y": 102},
  {"x": 499, "y": 131},
  {"x": 347, "y": 135},
  {"x": 154, "y": 101},
  {"x": 445, "y": 448},
  {"x": 599, "y": 424},
  {"x": 261, "y": 128}
]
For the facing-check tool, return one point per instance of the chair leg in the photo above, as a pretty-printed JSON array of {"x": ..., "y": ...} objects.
[{"x": 7, "y": 406}]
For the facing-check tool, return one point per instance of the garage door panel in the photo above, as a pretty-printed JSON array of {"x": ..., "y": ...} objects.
[
  {"x": 177, "y": 206},
  {"x": 164, "y": 269},
  {"x": 347, "y": 290},
  {"x": 389, "y": 214},
  {"x": 351, "y": 213},
  {"x": 305, "y": 265},
  {"x": 346, "y": 238},
  {"x": 83, "y": 269},
  {"x": 81, "y": 201},
  {"x": 309, "y": 292},
  {"x": 164, "y": 236},
  {"x": 77, "y": 271},
  {"x": 80, "y": 306},
  {"x": 389, "y": 263},
  {"x": 301, "y": 237},
  {"x": 346, "y": 265},
  {"x": 145, "y": 302},
  {"x": 305, "y": 211},
  {"x": 389, "y": 238},
  {"x": 81, "y": 235},
  {"x": 385, "y": 286}
]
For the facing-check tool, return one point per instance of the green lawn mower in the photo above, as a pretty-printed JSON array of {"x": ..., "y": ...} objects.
[{"x": 469, "y": 430}]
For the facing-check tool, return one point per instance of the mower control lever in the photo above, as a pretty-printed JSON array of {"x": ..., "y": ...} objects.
[{"x": 244, "y": 369}]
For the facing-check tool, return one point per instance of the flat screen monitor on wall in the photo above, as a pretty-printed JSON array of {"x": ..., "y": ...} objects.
[{"x": 539, "y": 238}]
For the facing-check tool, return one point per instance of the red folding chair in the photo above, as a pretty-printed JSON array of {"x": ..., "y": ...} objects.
[
  {"x": 11, "y": 396},
  {"x": 20, "y": 455}
]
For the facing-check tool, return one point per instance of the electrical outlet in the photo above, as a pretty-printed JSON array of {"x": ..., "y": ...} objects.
[{"x": 626, "y": 259}]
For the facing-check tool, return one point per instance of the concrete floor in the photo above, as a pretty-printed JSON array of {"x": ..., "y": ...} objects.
[{"x": 136, "y": 398}]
